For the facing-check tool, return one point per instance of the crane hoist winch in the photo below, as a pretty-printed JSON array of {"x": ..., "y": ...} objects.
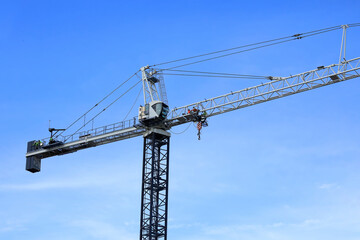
[{"x": 155, "y": 119}]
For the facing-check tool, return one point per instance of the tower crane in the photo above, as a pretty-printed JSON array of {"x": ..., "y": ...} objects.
[{"x": 155, "y": 119}]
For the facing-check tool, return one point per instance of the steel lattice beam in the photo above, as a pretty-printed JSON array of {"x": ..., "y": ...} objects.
[
  {"x": 280, "y": 87},
  {"x": 154, "y": 196}
]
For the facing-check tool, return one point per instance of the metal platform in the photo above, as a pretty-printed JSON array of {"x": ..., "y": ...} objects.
[{"x": 91, "y": 138}]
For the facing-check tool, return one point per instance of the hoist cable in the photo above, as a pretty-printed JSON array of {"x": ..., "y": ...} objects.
[
  {"x": 96, "y": 104},
  {"x": 181, "y": 131},
  {"x": 248, "y": 45},
  {"x": 133, "y": 104},
  {"x": 103, "y": 110},
  {"x": 250, "y": 49}
]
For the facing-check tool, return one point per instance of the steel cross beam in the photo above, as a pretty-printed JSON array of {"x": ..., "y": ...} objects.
[{"x": 280, "y": 87}]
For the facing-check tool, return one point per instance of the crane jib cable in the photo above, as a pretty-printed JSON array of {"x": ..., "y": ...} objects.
[
  {"x": 97, "y": 104},
  {"x": 220, "y": 76},
  {"x": 132, "y": 107},
  {"x": 229, "y": 54},
  {"x": 250, "y": 49},
  {"x": 248, "y": 45},
  {"x": 292, "y": 37},
  {"x": 270, "y": 43},
  {"x": 213, "y": 73},
  {"x": 102, "y": 110}
]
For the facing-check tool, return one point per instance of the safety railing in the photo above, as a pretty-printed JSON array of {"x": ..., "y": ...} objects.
[{"x": 93, "y": 132}]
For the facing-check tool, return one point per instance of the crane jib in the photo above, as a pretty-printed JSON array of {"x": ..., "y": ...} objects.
[
  {"x": 278, "y": 88},
  {"x": 281, "y": 87}
]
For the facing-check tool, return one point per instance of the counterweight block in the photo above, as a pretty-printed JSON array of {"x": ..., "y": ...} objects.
[{"x": 33, "y": 163}]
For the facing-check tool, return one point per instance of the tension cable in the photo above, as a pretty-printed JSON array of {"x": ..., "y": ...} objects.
[
  {"x": 295, "y": 36},
  {"x": 103, "y": 110},
  {"x": 96, "y": 105}
]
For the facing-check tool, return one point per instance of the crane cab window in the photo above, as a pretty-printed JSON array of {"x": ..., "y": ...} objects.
[
  {"x": 157, "y": 107},
  {"x": 147, "y": 109},
  {"x": 165, "y": 111},
  {"x": 161, "y": 110}
]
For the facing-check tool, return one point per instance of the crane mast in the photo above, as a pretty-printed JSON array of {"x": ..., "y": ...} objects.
[
  {"x": 155, "y": 181},
  {"x": 155, "y": 174},
  {"x": 155, "y": 119}
]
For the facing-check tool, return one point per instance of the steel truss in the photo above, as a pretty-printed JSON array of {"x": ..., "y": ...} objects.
[
  {"x": 154, "y": 196},
  {"x": 153, "y": 85},
  {"x": 279, "y": 87}
]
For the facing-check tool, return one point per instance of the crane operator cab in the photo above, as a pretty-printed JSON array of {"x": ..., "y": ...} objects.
[{"x": 153, "y": 113}]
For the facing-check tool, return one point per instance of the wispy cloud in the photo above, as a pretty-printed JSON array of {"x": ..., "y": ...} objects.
[
  {"x": 311, "y": 228},
  {"x": 103, "y": 230},
  {"x": 277, "y": 230},
  {"x": 12, "y": 225},
  {"x": 184, "y": 225},
  {"x": 327, "y": 186},
  {"x": 72, "y": 181},
  {"x": 56, "y": 184}
]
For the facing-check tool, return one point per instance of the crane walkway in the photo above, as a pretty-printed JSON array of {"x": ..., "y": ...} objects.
[{"x": 90, "y": 138}]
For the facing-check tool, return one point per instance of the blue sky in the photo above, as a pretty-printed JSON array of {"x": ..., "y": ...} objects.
[{"x": 287, "y": 169}]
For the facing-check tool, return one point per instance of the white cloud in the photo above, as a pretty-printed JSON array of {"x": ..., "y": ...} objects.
[
  {"x": 85, "y": 179},
  {"x": 308, "y": 228},
  {"x": 12, "y": 225},
  {"x": 7, "y": 229},
  {"x": 327, "y": 186},
  {"x": 183, "y": 225},
  {"x": 271, "y": 231},
  {"x": 56, "y": 184},
  {"x": 307, "y": 223},
  {"x": 102, "y": 230},
  {"x": 278, "y": 224}
]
